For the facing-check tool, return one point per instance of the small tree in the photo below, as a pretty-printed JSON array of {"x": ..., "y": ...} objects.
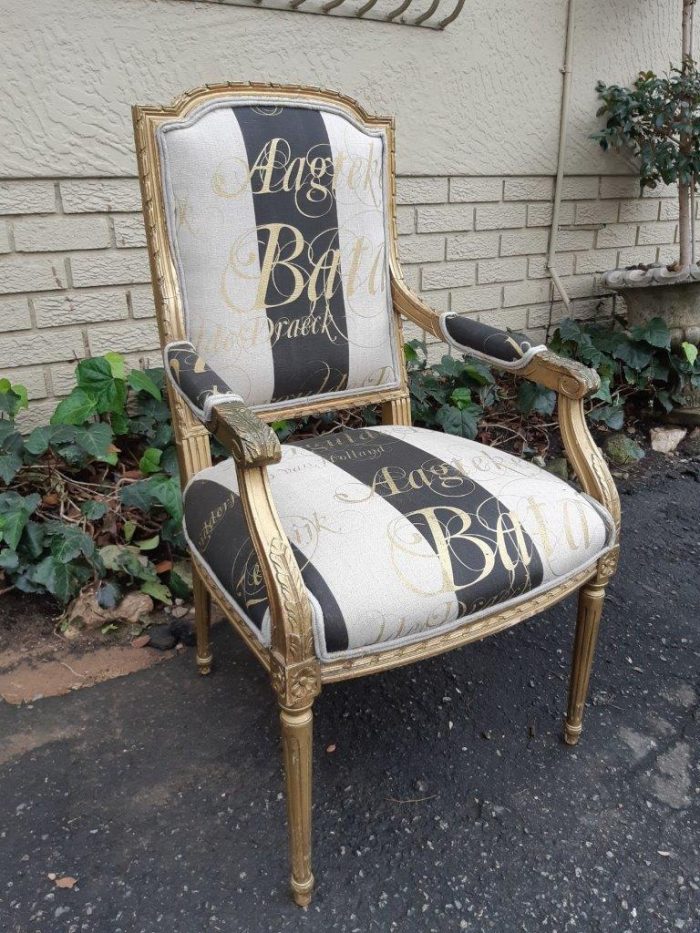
[{"x": 658, "y": 120}]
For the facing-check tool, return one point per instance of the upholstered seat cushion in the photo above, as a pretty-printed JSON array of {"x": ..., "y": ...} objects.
[{"x": 400, "y": 533}]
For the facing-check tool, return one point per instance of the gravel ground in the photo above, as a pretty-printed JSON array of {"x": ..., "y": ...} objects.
[{"x": 449, "y": 802}]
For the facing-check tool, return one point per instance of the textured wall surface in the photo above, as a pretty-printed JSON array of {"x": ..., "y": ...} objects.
[
  {"x": 477, "y": 110},
  {"x": 74, "y": 274},
  {"x": 483, "y": 95}
]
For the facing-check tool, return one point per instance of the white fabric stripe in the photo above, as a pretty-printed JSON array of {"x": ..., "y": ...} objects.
[
  {"x": 359, "y": 181},
  {"x": 535, "y": 496},
  {"x": 212, "y": 227}
]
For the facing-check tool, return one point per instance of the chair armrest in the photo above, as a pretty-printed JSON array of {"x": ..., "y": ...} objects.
[
  {"x": 510, "y": 351},
  {"x": 250, "y": 441}
]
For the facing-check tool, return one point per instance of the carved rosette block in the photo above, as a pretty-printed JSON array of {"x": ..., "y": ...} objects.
[{"x": 297, "y": 684}]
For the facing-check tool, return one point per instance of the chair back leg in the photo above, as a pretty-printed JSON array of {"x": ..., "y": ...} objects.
[
  {"x": 297, "y": 732},
  {"x": 202, "y": 619},
  {"x": 590, "y": 609}
]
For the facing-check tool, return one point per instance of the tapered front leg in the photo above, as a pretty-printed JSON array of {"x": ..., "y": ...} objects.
[
  {"x": 202, "y": 618},
  {"x": 590, "y": 609},
  {"x": 297, "y": 731}
]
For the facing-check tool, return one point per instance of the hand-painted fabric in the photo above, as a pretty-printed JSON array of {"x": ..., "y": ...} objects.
[
  {"x": 505, "y": 349},
  {"x": 277, "y": 216},
  {"x": 432, "y": 530},
  {"x": 194, "y": 380}
]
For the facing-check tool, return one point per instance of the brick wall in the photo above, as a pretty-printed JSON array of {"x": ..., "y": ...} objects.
[{"x": 74, "y": 275}]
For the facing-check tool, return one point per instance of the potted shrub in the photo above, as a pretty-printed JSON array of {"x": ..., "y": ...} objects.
[{"x": 658, "y": 121}]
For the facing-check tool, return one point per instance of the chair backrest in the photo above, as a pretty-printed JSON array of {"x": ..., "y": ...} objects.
[{"x": 270, "y": 215}]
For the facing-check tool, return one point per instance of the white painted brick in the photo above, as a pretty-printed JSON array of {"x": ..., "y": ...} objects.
[
  {"x": 129, "y": 230},
  {"x": 501, "y": 270},
  {"x": 638, "y": 210},
  {"x": 123, "y": 337},
  {"x": 506, "y": 318},
  {"x": 14, "y": 314},
  {"x": 619, "y": 186},
  {"x": 540, "y": 215},
  {"x": 48, "y": 347},
  {"x": 411, "y": 275},
  {"x": 31, "y": 377},
  {"x": 63, "y": 378},
  {"x": 142, "y": 302},
  {"x": 476, "y": 298},
  {"x": 524, "y": 242},
  {"x": 656, "y": 233},
  {"x": 31, "y": 273},
  {"x": 27, "y": 197},
  {"x": 596, "y": 260},
  {"x": 472, "y": 246},
  {"x": 668, "y": 253},
  {"x": 447, "y": 217},
  {"x": 542, "y": 316},
  {"x": 59, "y": 233},
  {"x": 406, "y": 219},
  {"x": 80, "y": 307},
  {"x": 579, "y": 286},
  {"x": 436, "y": 351},
  {"x": 438, "y": 300},
  {"x": 108, "y": 194},
  {"x": 411, "y": 331},
  {"x": 579, "y": 188},
  {"x": 476, "y": 189},
  {"x": 596, "y": 212},
  {"x": 537, "y": 265},
  {"x": 575, "y": 239},
  {"x": 661, "y": 191},
  {"x": 124, "y": 267},
  {"x": 448, "y": 275},
  {"x": 531, "y": 292},
  {"x": 37, "y": 414},
  {"x": 419, "y": 248},
  {"x": 668, "y": 210},
  {"x": 528, "y": 189},
  {"x": 616, "y": 235},
  {"x": 5, "y": 245},
  {"x": 421, "y": 190},
  {"x": 500, "y": 216},
  {"x": 633, "y": 255}
]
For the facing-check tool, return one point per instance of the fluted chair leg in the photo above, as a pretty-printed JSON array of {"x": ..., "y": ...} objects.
[
  {"x": 202, "y": 618},
  {"x": 590, "y": 609},
  {"x": 297, "y": 731}
]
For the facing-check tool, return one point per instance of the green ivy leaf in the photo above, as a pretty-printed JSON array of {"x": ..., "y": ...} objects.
[
  {"x": 150, "y": 461},
  {"x": 9, "y": 559},
  {"x": 157, "y": 590},
  {"x": 690, "y": 351},
  {"x": 140, "y": 382},
  {"x": 634, "y": 353},
  {"x": 62, "y": 580},
  {"x": 463, "y": 421},
  {"x": 96, "y": 440},
  {"x": 148, "y": 544},
  {"x": 96, "y": 378},
  {"x": 533, "y": 397},
  {"x": 75, "y": 409},
  {"x": 9, "y": 465},
  {"x": 93, "y": 510},
  {"x": 117, "y": 365},
  {"x": 166, "y": 491},
  {"x": 655, "y": 332},
  {"x": 69, "y": 541}
]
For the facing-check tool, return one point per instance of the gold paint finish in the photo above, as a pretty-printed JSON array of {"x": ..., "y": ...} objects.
[{"x": 295, "y": 672}]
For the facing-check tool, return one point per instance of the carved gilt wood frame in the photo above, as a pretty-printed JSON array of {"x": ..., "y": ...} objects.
[{"x": 295, "y": 671}]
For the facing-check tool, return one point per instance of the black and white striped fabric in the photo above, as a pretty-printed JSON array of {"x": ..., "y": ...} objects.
[
  {"x": 277, "y": 216},
  {"x": 502, "y": 348},
  {"x": 194, "y": 380},
  {"x": 399, "y": 532}
]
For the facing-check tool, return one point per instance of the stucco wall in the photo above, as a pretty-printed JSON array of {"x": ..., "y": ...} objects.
[{"x": 477, "y": 111}]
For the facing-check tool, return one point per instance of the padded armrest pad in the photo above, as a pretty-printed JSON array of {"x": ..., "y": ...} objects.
[
  {"x": 499, "y": 347},
  {"x": 197, "y": 384}
]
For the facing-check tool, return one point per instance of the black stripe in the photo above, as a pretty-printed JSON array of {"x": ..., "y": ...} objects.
[
  {"x": 217, "y": 528},
  {"x": 291, "y": 166},
  {"x": 490, "y": 560}
]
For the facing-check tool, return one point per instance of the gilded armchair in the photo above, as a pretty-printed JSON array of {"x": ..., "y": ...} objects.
[{"x": 271, "y": 228}]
